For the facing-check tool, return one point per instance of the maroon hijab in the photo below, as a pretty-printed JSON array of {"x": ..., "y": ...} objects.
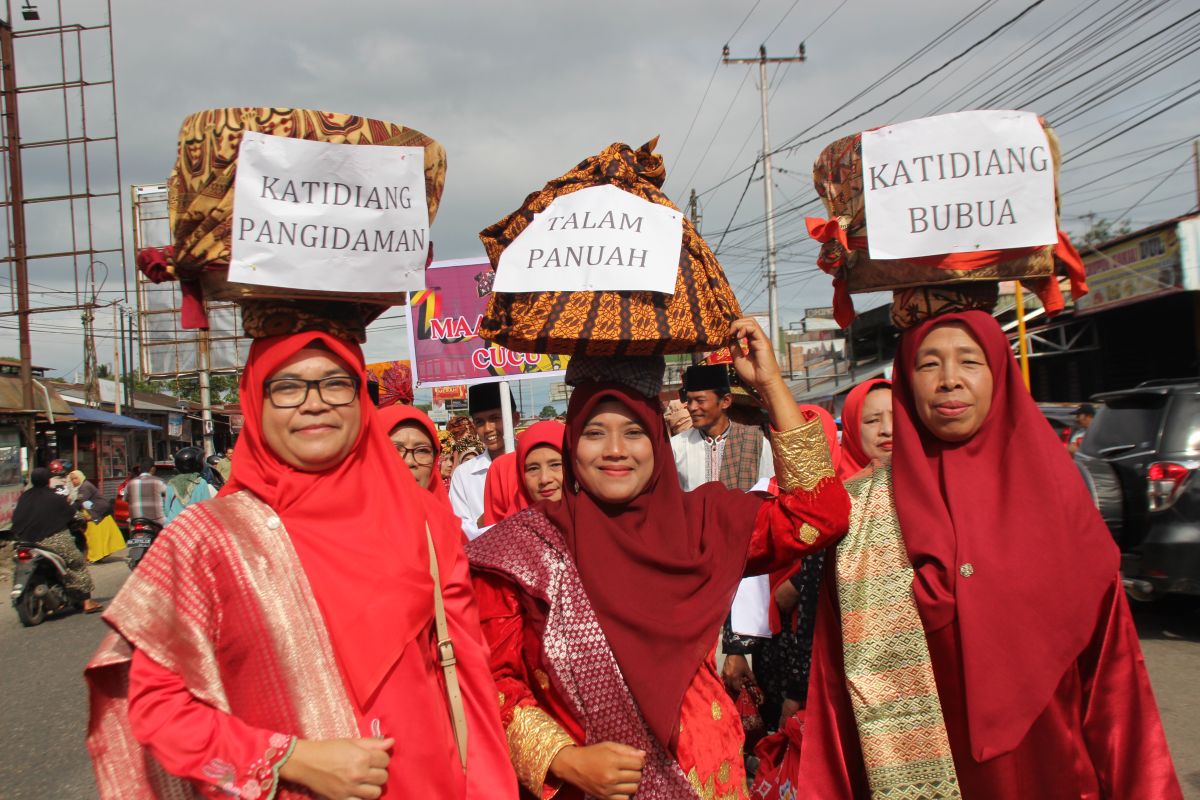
[
  {"x": 661, "y": 570},
  {"x": 1010, "y": 503},
  {"x": 854, "y": 458}
]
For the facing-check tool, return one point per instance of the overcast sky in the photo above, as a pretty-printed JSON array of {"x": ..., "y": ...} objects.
[{"x": 519, "y": 92}]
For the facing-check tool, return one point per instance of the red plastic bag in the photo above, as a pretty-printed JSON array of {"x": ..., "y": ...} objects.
[{"x": 779, "y": 762}]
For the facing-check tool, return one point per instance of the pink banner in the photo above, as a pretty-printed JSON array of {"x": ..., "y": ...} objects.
[{"x": 443, "y": 325}]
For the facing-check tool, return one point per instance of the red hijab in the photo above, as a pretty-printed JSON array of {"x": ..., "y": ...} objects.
[
  {"x": 505, "y": 493},
  {"x": 1009, "y": 502},
  {"x": 363, "y": 550},
  {"x": 854, "y": 458},
  {"x": 660, "y": 570},
  {"x": 390, "y": 417}
]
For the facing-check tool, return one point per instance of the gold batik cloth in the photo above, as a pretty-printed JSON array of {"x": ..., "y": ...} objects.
[
  {"x": 695, "y": 317},
  {"x": 201, "y": 187},
  {"x": 889, "y": 673}
]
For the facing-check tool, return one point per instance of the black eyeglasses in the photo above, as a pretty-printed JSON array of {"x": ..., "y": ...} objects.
[
  {"x": 340, "y": 390},
  {"x": 422, "y": 454}
]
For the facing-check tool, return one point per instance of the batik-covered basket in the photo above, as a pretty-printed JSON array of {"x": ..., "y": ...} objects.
[
  {"x": 201, "y": 189},
  {"x": 838, "y": 178},
  {"x": 606, "y": 323}
]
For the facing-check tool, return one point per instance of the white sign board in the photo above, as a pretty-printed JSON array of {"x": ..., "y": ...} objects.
[
  {"x": 596, "y": 239},
  {"x": 957, "y": 183},
  {"x": 439, "y": 413},
  {"x": 329, "y": 217}
]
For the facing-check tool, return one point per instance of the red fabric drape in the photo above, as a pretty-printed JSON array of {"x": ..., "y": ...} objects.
[
  {"x": 1010, "y": 503},
  {"x": 341, "y": 521},
  {"x": 829, "y": 428},
  {"x": 854, "y": 458},
  {"x": 398, "y": 413},
  {"x": 502, "y": 496},
  {"x": 661, "y": 570},
  {"x": 1047, "y": 289}
]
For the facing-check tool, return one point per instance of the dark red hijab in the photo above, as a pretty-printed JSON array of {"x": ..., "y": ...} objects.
[
  {"x": 854, "y": 458},
  {"x": 1010, "y": 503},
  {"x": 661, "y": 570},
  {"x": 397, "y": 414},
  {"x": 342, "y": 525}
]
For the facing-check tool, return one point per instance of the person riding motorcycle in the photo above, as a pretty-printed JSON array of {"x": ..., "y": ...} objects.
[
  {"x": 43, "y": 517},
  {"x": 188, "y": 485},
  {"x": 59, "y": 469},
  {"x": 212, "y": 471}
]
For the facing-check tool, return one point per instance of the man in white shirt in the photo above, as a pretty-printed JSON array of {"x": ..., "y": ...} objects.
[
  {"x": 739, "y": 456},
  {"x": 468, "y": 480},
  {"x": 700, "y": 452}
]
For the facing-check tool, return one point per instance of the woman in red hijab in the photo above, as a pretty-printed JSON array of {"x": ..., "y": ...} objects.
[
  {"x": 603, "y": 609},
  {"x": 983, "y": 592},
  {"x": 866, "y": 427},
  {"x": 279, "y": 640},
  {"x": 532, "y": 473},
  {"x": 415, "y": 437}
]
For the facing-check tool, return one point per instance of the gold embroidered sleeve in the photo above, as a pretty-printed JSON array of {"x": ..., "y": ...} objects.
[
  {"x": 534, "y": 739},
  {"x": 802, "y": 456}
]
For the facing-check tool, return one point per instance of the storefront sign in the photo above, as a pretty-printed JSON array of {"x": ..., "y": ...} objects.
[
  {"x": 174, "y": 426},
  {"x": 443, "y": 331},
  {"x": 1134, "y": 269},
  {"x": 333, "y": 217},
  {"x": 443, "y": 393},
  {"x": 958, "y": 183},
  {"x": 596, "y": 239}
]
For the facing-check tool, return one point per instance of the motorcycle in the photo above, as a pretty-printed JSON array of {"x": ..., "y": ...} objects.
[
  {"x": 142, "y": 533},
  {"x": 39, "y": 582}
]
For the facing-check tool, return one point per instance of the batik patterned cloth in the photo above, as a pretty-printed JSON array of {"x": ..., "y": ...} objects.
[
  {"x": 889, "y": 672},
  {"x": 578, "y": 658},
  {"x": 696, "y": 317}
]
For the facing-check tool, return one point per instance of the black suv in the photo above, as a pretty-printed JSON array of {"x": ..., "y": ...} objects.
[{"x": 1140, "y": 457}]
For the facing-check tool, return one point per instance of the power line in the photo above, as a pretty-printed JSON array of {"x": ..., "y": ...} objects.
[{"x": 1080, "y": 153}]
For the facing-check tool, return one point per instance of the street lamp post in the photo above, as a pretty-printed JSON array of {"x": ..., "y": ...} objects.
[{"x": 16, "y": 202}]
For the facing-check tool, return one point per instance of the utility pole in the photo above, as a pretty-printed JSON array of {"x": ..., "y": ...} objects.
[
  {"x": 695, "y": 216},
  {"x": 116, "y": 368},
  {"x": 16, "y": 202},
  {"x": 206, "y": 419},
  {"x": 768, "y": 178},
  {"x": 1196, "y": 166}
]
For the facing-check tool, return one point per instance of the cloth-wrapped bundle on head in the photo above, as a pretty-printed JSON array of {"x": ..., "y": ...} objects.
[
  {"x": 838, "y": 175},
  {"x": 201, "y": 206},
  {"x": 695, "y": 317}
]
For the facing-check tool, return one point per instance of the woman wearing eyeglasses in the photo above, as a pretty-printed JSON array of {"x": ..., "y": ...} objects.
[
  {"x": 282, "y": 639},
  {"x": 415, "y": 438}
]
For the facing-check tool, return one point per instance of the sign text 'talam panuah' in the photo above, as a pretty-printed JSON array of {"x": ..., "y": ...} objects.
[
  {"x": 330, "y": 217},
  {"x": 976, "y": 180},
  {"x": 596, "y": 239}
]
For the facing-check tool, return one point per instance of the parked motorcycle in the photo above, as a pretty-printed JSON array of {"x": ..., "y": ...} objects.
[
  {"x": 39, "y": 582},
  {"x": 142, "y": 533}
]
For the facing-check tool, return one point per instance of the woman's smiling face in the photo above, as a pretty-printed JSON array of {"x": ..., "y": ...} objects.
[{"x": 614, "y": 457}]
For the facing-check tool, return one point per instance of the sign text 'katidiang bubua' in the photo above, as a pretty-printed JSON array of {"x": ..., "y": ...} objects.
[{"x": 976, "y": 180}]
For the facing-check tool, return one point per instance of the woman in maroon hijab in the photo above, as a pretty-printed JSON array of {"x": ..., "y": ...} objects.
[
  {"x": 603, "y": 609},
  {"x": 974, "y": 639}
]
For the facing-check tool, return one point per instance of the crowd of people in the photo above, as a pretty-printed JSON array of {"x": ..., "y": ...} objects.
[
  {"x": 374, "y": 607},
  {"x": 627, "y": 602}
]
